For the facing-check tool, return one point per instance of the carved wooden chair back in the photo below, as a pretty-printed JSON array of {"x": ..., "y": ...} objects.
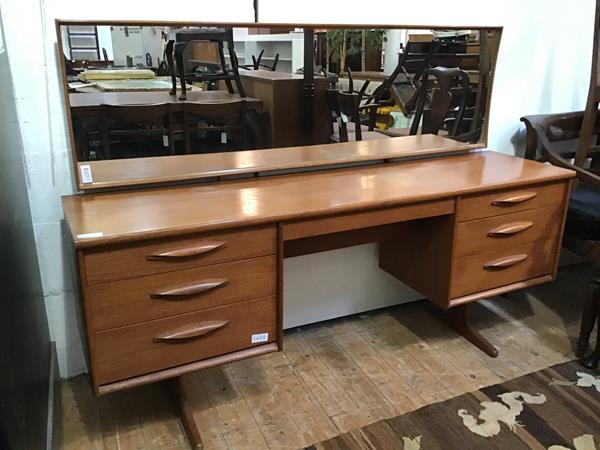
[
  {"x": 135, "y": 121},
  {"x": 438, "y": 96},
  {"x": 226, "y": 118}
]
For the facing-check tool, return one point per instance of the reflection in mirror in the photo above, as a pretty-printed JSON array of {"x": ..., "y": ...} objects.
[{"x": 140, "y": 91}]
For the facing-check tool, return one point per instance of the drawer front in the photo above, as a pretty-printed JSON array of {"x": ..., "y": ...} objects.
[
  {"x": 136, "y": 300},
  {"x": 507, "y": 230},
  {"x": 166, "y": 255},
  {"x": 147, "y": 347},
  {"x": 479, "y": 206},
  {"x": 499, "y": 267}
]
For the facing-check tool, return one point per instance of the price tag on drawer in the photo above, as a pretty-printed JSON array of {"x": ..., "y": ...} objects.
[{"x": 258, "y": 338}]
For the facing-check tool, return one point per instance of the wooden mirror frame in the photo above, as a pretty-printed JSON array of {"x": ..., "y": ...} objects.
[{"x": 215, "y": 166}]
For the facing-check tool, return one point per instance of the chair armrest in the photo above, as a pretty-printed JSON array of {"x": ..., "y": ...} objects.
[
  {"x": 554, "y": 157},
  {"x": 532, "y": 122},
  {"x": 370, "y": 106}
]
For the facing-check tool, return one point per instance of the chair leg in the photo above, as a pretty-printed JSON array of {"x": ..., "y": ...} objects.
[
  {"x": 235, "y": 69},
  {"x": 169, "y": 52},
  {"x": 224, "y": 67},
  {"x": 179, "y": 49},
  {"x": 591, "y": 315}
]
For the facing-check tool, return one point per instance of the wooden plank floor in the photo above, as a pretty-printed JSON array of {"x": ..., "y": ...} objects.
[{"x": 337, "y": 375}]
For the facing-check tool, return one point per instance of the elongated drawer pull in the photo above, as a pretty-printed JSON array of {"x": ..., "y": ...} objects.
[
  {"x": 509, "y": 229},
  {"x": 514, "y": 199},
  {"x": 504, "y": 263},
  {"x": 187, "y": 252},
  {"x": 190, "y": 290},
  {"x": 191, "y": 331}
]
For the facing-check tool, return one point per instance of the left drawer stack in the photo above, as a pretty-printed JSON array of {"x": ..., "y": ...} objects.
[{"x": 158, "y": 304}]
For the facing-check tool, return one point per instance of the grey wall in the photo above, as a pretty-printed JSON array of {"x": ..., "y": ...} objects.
[{"x": 24, "y": 337}]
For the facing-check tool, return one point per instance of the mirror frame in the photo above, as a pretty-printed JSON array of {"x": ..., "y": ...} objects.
[{"x": 178, "y": 179}]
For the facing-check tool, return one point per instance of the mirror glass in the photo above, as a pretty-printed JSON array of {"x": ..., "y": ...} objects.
[{"x": 246, "y": 88}]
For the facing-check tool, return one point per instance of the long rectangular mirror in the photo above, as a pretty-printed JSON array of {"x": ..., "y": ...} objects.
[{"x": 147, "y": 91}]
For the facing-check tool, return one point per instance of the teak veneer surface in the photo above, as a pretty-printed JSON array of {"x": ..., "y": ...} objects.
[
  {"x": 131, "y": 301},
  {"x": 530, "y": 197},
  {"x": 469, "y": 274},
  {"x": 127, "y": 216},
  {"x": 474, "y": 237},
  {"x": 123, "y": 262},
  {"x": 133, "y": 350},
  {"x": 140, "y": 171}
]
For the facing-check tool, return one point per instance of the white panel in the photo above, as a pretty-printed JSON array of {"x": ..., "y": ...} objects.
[{"x": 338, "y": 283}]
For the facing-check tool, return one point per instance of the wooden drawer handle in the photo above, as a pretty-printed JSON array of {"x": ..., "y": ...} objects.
[
  {"x": 191, "y": 331},
  {"x": 190, "y": 290},
  {"x": 504, "y": 263},
  {"x": 515, "y": 199},
  {"x": 509, "y": 229},
  {"x": 187, "y": 252}
]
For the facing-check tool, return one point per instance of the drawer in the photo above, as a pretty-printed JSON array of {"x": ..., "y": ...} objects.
[
  {"x": 499, "y": 267},
  {"x": 511, "y": 230},
  {"x": 147, "y": 347},
  {"x": 165, "y": 255},
  {"x": 126, "y": 302},
  {"x": 351, "y": 221},
  {"x": 501, "y": 202}
]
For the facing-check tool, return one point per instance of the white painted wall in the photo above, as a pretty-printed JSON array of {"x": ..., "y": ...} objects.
[{"x": 543, "y": 67}]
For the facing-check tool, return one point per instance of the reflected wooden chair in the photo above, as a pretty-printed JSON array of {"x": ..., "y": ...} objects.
[
  {"x": 350, "y": 109},
  {"x": 335, "y": 117},
  {"x": 442, "y": 99},
  {"x": 138, "y": 125},
  {"x": 257, "y": 63},
  {"x": 227, "y": 121},
  {"x": 553, "y": 138},
  {"x": 178, "y": 42}
]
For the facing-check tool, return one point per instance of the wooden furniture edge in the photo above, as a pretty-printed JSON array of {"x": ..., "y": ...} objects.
[
  {"x": 322, "y": 164},
  {"x": 58, "y": 22},
  {"x": 179, "y": 23},
  {"x": 500, "y": 290},
  {"x": 186, "y": 368},
  {"x": 369, "y": 205}
]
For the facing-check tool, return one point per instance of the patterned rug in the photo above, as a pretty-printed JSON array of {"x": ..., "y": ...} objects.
[{"x": 554, "y": 409}]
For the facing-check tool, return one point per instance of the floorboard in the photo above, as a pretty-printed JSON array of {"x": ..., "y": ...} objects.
[{"x": 337, "y": 375}]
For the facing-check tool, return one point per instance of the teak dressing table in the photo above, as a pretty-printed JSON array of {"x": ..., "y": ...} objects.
[{"x": 181, "y": 278}]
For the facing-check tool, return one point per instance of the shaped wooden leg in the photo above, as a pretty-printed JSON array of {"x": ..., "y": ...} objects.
[
  {"x": 457, "y": 318},
  {"x": 186, "y": 415}
]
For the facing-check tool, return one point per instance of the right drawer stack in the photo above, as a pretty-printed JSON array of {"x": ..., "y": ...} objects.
[{"x": 506, "y": 237}]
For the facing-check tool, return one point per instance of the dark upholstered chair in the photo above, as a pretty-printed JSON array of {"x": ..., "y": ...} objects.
[{"x": 552, "y": 137}]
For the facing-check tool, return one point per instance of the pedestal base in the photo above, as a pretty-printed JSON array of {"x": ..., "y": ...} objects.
[
  {"x": 457, "y": 318},
  {"x": 186, "y": 415}
]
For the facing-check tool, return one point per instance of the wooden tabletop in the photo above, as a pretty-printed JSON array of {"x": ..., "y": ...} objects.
[
  {"x": 95, "y": 99},
  {"x": 139, "y": 171},
  {"x": 97, "y": 219},
  {"x": 270, "y": 75}
]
